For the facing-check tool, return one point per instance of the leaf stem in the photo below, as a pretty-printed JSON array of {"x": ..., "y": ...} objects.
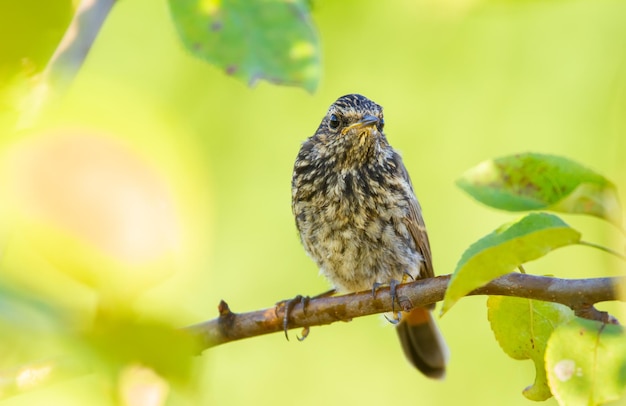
[{"x": 603, "y": 248}]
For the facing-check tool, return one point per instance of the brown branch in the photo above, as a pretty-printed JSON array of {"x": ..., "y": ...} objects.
[{"x": 578, "y": 294}]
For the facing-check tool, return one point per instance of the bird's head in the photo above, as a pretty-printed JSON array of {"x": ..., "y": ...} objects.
[
  {"x": 354, "y": 125},
  {"x": 353, "y": 114}
]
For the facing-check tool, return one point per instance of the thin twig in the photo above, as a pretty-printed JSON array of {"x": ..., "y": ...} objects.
[
  {"x": 77, "y": 42},
  {"x": 578, "y": 294},
  {"x": 68, "y": 58}
]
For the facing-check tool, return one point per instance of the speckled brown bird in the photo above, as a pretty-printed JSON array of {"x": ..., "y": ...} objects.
[{"x": 359, "y": 219}]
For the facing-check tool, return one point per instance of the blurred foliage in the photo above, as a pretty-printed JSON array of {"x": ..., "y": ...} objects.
[
  {"x": 185, "y": 198},
  {"x": 31, "y": 31},
  {"x": 35, "y": 30}
]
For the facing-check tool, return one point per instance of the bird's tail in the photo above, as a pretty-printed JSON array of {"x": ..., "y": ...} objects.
[{"x": 422, "y": 342}]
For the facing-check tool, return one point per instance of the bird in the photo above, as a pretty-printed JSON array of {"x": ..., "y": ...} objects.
[{"x": 359, "y": 219}]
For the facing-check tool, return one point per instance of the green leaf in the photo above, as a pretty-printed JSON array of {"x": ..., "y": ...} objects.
[
  {"x": 504, "y": 250},
  {"x": 542, "y": 182},
  {"x": 273, "y": 40},
  {"x": 522, "y": 327},
  {"x": 586, "y": 362}
]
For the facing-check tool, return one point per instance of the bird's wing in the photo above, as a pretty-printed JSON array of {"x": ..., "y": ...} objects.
[{"x": 416, "y": 226}]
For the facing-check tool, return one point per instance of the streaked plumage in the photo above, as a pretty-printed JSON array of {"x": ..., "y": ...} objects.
[{"x": 359, "y": 219}]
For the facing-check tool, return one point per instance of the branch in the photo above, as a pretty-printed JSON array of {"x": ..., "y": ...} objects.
[
  {"x": 77, "y": 41},
  {"x": 67, "y": 59},
  {"x": 578, "y": 294}
]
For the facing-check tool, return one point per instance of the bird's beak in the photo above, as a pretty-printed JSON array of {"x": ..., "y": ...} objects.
[{"x": 365, "y": 122}]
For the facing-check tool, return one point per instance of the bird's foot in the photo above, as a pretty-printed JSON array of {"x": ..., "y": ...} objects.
[
  {"x": 288, "y": 306},
  {"x": 393, "y": 285}
]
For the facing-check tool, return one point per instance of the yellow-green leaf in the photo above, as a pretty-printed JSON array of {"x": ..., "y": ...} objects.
[
  {"x": 586, "y": 363},
  {"x": 522, "y": 328},
  {"x": 508, "y": 247}
]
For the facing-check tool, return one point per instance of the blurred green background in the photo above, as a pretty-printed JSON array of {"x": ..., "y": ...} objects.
[{"x": 460, "y": 81}]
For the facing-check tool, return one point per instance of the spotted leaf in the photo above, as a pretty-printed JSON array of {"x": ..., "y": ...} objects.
[{"x": 274, "y": 40}]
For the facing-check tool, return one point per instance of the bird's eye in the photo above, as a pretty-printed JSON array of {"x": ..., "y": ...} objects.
[
  {"x": 381, "y": 124},
  {"x": 334, "y": 122}
]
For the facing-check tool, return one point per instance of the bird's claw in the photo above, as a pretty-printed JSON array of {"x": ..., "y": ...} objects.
[
  {"x": 395, "y": 320},
  {"x": 305, "y": 333},
  {"x": 288, "y": 306},
  {"x": 393, "y": 285}
]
